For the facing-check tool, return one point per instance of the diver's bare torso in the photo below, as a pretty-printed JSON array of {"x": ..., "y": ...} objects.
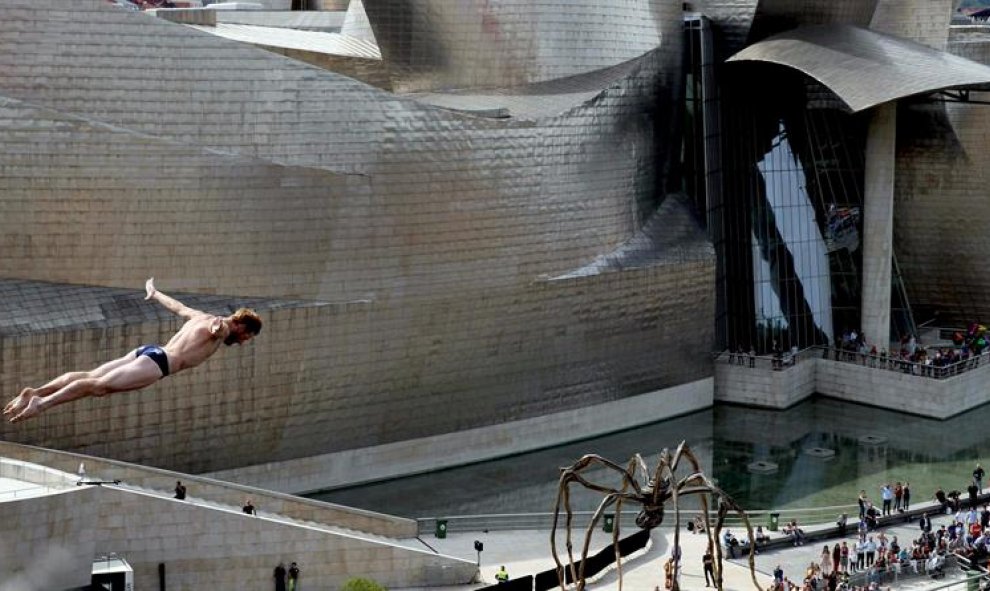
[{"x": 198, "y": 338}]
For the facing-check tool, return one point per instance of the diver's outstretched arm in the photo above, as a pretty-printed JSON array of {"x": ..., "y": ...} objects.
[{"x": 171, "y": 304}]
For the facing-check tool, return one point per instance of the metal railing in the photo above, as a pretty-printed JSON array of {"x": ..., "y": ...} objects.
[
  {"x": 898, "y": 572},
  {"x": 581, "y": 519},
  {"x": 885, "y": 363},
  {"x": 925, "y": 370},
  {"x": 765, "y": 362},
  {"x": 26, "y": 492}
]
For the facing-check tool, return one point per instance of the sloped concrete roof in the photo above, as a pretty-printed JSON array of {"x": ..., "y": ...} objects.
[{"x": 865, "y": 68}]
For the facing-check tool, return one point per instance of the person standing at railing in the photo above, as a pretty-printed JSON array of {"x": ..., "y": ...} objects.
[
  {"x": 778, "y": 356},
  {"x": 978, "y": 474},
  {"x": 906, "y": 496},
  {"x": 898, "y": 495},
  {"x": 887, "y": 496}
]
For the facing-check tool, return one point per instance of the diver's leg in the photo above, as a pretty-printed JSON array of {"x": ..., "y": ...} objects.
[
  {"x": 16, "y": 405},
  {"x": 137, "y": 373}
]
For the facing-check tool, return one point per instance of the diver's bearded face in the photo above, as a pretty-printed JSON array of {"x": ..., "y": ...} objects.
[{"x": 238, "y": 334}]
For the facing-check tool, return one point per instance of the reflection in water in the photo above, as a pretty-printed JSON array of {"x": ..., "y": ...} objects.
[{"x": 871, "y": 446}]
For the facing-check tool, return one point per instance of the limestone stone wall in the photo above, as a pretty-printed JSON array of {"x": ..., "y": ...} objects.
[
  {"x": 892, "y": 389},
  {"x": 896, "y": 390},
  {"x": 199, "y": 546},
  {"x": 49, "y": 542},
  {"x": 761, "y": 387}
]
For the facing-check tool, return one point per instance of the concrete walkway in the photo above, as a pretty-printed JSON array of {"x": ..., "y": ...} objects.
[
  {"x": 528, "y": 552},
  {"x": 11, "y": 489}
]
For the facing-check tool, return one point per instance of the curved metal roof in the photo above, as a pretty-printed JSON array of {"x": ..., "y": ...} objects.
[{"x": 865, "y": 68}]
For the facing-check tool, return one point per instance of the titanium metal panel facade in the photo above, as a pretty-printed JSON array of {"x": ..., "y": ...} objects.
[
  {"x": 439, "y": 44},
  {"x": 865, "y": 68},
  {"x": 446, "y": 267},
  {"x": 742, "y": 22},
  {"x": 941, "y": 196}
]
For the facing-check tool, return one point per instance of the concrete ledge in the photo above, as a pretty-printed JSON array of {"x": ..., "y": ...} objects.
[
  {"x": 827, "y": 531},
  {"x": 473, "y": 445},
  {"x": 187, "y": 16},
  {"x": 215, "y": 490}
]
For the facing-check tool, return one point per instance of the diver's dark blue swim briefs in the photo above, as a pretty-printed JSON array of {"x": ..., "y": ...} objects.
[{"x": 156, "y": 354}]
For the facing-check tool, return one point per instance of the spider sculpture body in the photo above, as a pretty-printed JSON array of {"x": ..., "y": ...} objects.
[{"x": 649, "y": 490}]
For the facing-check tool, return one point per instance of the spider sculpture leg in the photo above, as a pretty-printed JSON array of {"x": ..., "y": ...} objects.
[
  {"x": 567, "y": 477},
  {"x": 698, "y": 483}
]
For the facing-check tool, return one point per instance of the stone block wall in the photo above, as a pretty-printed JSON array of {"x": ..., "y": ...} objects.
[
  {"x": 48, "y": 542},
  {"x": 741, "y": 384},
  {"x": 896, "y": 390},
  {"x": 199, "y": 546},
  {"x": 890, "y": 389}
]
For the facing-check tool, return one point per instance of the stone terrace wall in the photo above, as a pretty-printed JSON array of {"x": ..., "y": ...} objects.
[{"x": 896, "y": 390}]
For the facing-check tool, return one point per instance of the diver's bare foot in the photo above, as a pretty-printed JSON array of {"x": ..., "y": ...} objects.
[
  {"x": 16, "y": 405},
  {"x": 31, "y": 409}
]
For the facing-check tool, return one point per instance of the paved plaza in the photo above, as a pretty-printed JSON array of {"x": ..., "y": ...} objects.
[{"x": 528, "y": 552}]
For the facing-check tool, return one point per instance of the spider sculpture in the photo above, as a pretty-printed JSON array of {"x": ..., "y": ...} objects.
[{"x": 651, "y": 491}]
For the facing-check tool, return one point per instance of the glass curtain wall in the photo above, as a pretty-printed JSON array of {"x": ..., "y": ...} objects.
[{"x": 787, "y": 225}]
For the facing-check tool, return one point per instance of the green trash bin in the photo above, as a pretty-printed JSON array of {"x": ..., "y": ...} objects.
[
  {"x": 973, "y": 582},
  {"x": 608, "y": 523},
  {"x": 774, "y": 520},
  {"x": 441, "y": 531}
]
